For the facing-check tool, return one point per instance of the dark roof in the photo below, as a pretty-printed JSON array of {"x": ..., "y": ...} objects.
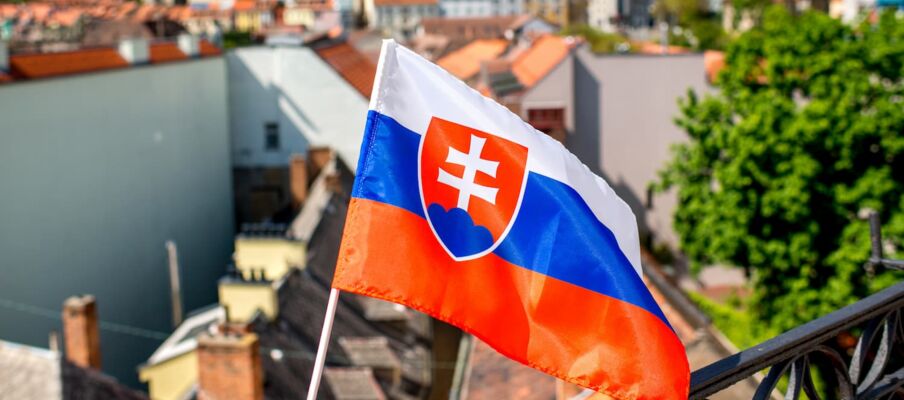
[
  {"x": 87, "y": 384},
  {"x": 288, "y": 344},
  {"x": 494, "y": 376}
]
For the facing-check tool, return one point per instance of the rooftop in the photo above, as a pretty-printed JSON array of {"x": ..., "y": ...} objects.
[
  {"x": 351, "y": 64},
  {"x": 465, "y": 62},
  {"x": 540, "y": 59},
  {"x": 48, "y": 65}
]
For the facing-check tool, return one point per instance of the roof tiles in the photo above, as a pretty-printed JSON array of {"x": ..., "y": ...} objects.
[
  {"x": 45, "y": 65},
  {"x": 163, "y": 52},
  {"x": 465, "y": 62},
  {"x": 352, "y": 65},
  {"x": 542, "y": 57}
]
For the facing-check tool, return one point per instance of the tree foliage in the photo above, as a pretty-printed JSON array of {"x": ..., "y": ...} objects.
[
  {"x": 600, "y": 42},
  {"x": 805, "y": 134}
]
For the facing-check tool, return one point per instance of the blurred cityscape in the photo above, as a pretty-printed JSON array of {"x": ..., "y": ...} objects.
[{"x": 174, "y": 178}]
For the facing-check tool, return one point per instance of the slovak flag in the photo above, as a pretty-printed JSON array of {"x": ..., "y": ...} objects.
[{"x": 463, "y": 211}]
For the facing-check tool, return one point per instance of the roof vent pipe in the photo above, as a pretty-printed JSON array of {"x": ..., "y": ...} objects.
[
  {"x": 4, "y": 56},
  {"x": 135, "y": 51},
  {"x": 190, "y": 45}
]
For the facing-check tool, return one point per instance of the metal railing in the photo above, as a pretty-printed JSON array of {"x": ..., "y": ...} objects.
[{"x": 875, "y": 370}]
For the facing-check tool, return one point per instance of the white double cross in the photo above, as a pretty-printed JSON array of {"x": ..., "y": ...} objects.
[{"x": 473, "y": 163}]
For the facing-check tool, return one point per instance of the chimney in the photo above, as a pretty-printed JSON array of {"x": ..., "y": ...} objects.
[
  {"x": 80, "y": 331},
  {"x": 4, "y": 56},
  {"x": 298, "y": 179},
  {"x": 189, "y": 44},
  {"x": 135, "y": 51},
  {"x": 229, "y": 366},
  {"x": 319, "y": 157}
]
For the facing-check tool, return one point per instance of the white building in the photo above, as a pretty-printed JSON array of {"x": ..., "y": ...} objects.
[
  {"x": 480, "y": 8},
  {"x": 275, "y": 113},
  {"x": 600, "y": 14},
  {"x": 399, "y": 18},
  {"x": 284, "y": 101}
]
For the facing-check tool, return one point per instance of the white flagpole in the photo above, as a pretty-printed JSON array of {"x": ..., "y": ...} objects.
[{"x": 324, "y": 342}]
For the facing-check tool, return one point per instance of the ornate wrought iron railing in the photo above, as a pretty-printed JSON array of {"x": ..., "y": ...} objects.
[{"x": 875, "y": 370}]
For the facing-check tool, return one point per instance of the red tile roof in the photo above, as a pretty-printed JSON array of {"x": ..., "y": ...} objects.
[
  {"x": 353, "y": 66},
  {"x": 46, "y": 65},
  {"x": 465, "y": 62},
  {"x": 540, "y": 59},
  {"x": 33, "y": 66},
  {"x": 163, "y": 52},
  {"x": 207, "y": 49},
  {"x": 656, "y": 48}
]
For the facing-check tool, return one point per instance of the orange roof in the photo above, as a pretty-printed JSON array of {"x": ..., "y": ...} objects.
[
  {"x": 656, "y": 48},
  {"x": 32, "y": 66},
  {"x": 713, "y": 61},
  {"x": 540, "y": 59},
  {"x": 353, "y": 66},
  {"x": 244, "y": 5},
  {"x": 207, "y": 49},
  {"x": 67, "y": 17},
  {"x": 45, "y": 65},
  {"x": 402, "y": 2},
  {"x": 8, "y": 10},
  {"x": 465, "y": 62},
  {"x": 163, "y": 52}
]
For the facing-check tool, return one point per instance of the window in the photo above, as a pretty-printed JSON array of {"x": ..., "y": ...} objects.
[
  {"x": 271, "y": 136},
  {"x": 550, "y": 121}
]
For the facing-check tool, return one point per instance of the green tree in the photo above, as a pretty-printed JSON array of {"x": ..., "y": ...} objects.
[
  {"x": 805, "y": 134},
  {"x": 600, "y": 42}
]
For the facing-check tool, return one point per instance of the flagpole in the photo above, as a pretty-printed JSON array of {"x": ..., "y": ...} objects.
[{"x": 324, "y": 342}]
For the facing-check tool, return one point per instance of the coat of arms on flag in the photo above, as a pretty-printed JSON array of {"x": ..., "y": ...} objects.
[
  {"x": 463, "y": 211},
  {"x": 471, "y": 186}
]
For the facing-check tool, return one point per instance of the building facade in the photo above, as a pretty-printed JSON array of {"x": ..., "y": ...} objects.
[
  {"x": 602, "y": 14},
  {"x": 274, "y": 115},
  {"x": 624, "y": 126},
  {"x": 480, "y": 8},
  {"x": 399, "y": 18},
  {"x": 98, "y": 171}
]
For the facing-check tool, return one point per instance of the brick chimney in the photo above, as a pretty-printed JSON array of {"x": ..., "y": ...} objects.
[
  {"x": 135, "y": 51},
  {"x": 229, "y": 366},
  {"x": 319, "y": 157},
  {"x": 80, "y": 331},
  {"x": 298, "y": 179}
]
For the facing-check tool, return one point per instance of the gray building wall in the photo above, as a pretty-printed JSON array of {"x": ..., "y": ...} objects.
[
  {"x": 555, "y": 90},
  {"x": 624, "y": 125},
  {"x": 97, "y": 171}
]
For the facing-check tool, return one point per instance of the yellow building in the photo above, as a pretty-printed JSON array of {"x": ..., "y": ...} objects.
[{"x": 272, "y": 254}]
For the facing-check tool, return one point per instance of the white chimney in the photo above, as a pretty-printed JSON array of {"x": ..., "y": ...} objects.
[
  {"x": 135, "y": 50},
  {"x": 190, "y": 45},
  {"x": 4, "y": 56}
]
